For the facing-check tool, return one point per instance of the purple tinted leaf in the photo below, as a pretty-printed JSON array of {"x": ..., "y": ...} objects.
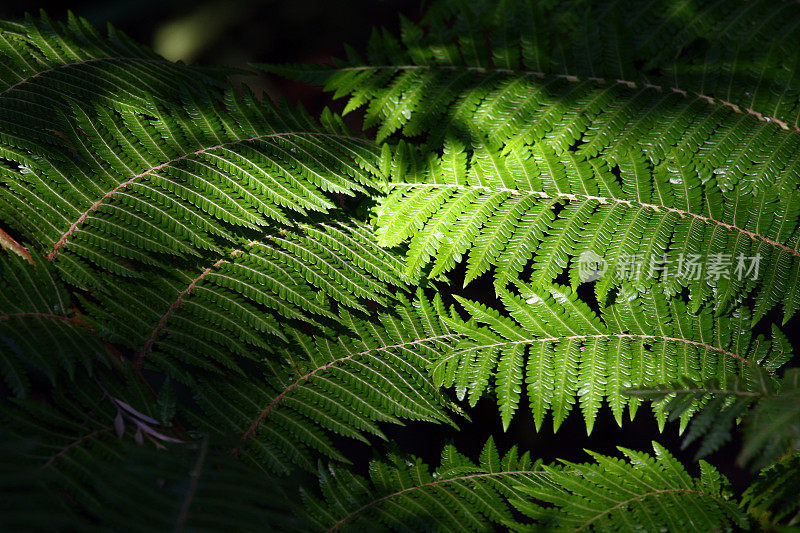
[
  {"x": 152, "y": 432},
  {"x": 119, "y": 424},
  {"x": 134, "y": 412}
]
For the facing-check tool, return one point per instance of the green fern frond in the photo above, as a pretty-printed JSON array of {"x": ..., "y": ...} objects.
[
  {"x": 774, "y": 497},
  {"x": 194, "y": 485},
  {"x": 46, "y": 65},
  {"x": 773, "y": 428},
  {"x": 769, "y": 408},
  {"x": 650, "y": 493},
  {"x": 403, "y": 494},
  {"x": 141, "y": 188},
  {"x": 647, "y": 493},
  {"x": 240, "y": 303},
  {"x": 345, "y": 384},
  {"x": 82, "y": 424},
  {"x": 211, "y": 330},
  {"x": 87, "y": 459},
  {"x": 564, "y": 351},
  {"x": 192, "y": 272},
  {"x": 658, "y": 227},
  {"x": 469, "y": 60},
  {"x": 40, "y": 330},
  {"x": 546, "y": 164}
]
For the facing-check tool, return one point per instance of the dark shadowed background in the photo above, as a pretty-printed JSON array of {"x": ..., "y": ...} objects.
[{"x": 219, "y": 32}]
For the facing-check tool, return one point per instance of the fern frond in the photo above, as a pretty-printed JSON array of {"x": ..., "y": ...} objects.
[
  {"x": 565, "y": 351},
  {"x": 345, "y": 384},
  {"x": 403, "y": 494},
  {"x": 140, "y": 188},
  {"x": 40, "y": 330},
  {"x": 78, "y": 425},
  {"x": 774, "y": 497},
  {"x": 658, "y": 227},
  {"x": 95, "y": 471},
  {"x": 167, "y": 232},
  {"x": 543, "y": 162},
  {"x": 769, "y": 408},
  {"x": 235, "y": 304},
  {"x": 465, "y": 54},
  {"x": 234, "y": 333},
  {"x": 46, "y": 65},
  {"x": 773, "y": 428},
  {"x": 647, "y": 492},
  {"x": 196, "y": 483}
]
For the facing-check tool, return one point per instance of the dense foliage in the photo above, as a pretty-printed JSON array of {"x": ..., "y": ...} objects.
[{"x": 205, "y": 295}]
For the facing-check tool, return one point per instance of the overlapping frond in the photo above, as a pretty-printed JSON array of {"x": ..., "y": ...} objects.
[
  {"x": 556, "y": 346},
  {"x": 40, "y": 330},
  {"x": 143, "y": 188},
  {"x": 46, "y": 65},
  {"x": 237, "y": 305},
  {"x": 403, "y": 494},
  {"x": 65, "y": 434},
  {"x": 774, "y": 497},
  {"x": 769, "y": 408},
  {"x": 96, "y": 460},
  {"x": 184, "y": 234},
  {"x": 540, "y": 161},
  {"x": 345, "y": 384},
  {"x": 549, "y": 212},
  {"x": 439, "y": 73},
  {"x": 648, "y": 493}
]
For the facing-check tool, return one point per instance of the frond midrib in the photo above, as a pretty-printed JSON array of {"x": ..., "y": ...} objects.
[
  {"x": 603, "y": 200},
  {"x": 434, "y": 483},
  {"x": 590, "y": 336},
  {"x": 322, "y": 368},
  {"x": 120, "y": 186},
  {"x": 736, "y": 108}
]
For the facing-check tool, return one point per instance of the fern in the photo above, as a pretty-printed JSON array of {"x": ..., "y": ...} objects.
[
  {"x": 48, "y": 66},
  {"x": 402, "y": 493},
  {"x": 194, "y": 484},
  {"x": 770, "y": 408},
  {"x": 651, "y": 493},
  {"x": 235, "y": 304},
  {"x": 127, "y": 195},
  {"x": 462, "y": 50},
  {"x": 354, "y": 373},
  {"x": 774, "y": 497},
  {"x": 545, "y": 165},
  {"x": 346, "y": 385},
  {"x": 211, "y": 299},
  {"x": 190, "y": 487},
  {"x": 40, "y": 330},
  {"x": 563, "y": 350},
  {"x": 129, "y": 171},
  {"x": 535, "y": 205}
]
